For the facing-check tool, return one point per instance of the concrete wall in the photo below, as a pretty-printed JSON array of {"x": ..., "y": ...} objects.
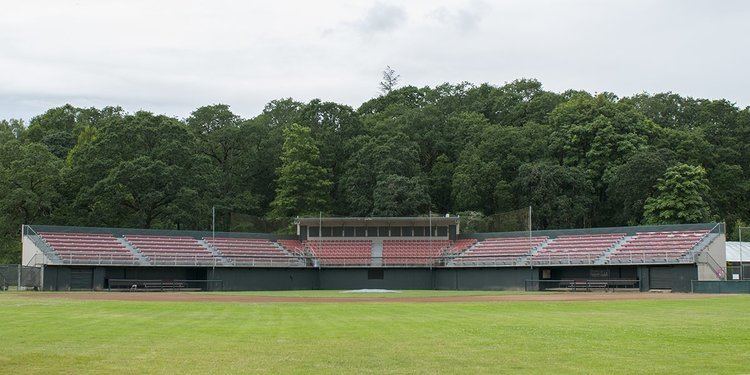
[
  {"x": 484, "y": 278},
  {"x": 62, "y": 278},
  {"x": 30, "y": 253},
  {"x": 676, "y": 277},
  {"x": 715, "y": 255},
  {"x": 265, "y": 278},
  {"x": 361, "y": 278}
]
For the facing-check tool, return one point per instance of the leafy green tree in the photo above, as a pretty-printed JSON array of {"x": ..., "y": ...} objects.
[
  {"x": 375, "y": 159},
  {"x": 144, "y": 191},
  {"x": 10, "y": 250},
  {"x": 631, "y": 183},
  {"x": 483, "y": 148},
  {"x": 439, "y": 184},
  {"x": 29, "y": 181},
  {"x": 514, "y": 104},
  {"x": 400, "y": 196},
  {"x": 11, "y": 129},
  {"x": 221, "y": 139},
  {"x": 58, "y": 128},
  {"x": 730, "y": 194},
  {"x": 302, "y": 187},
  {"x": 561, "y": 196},
  {"x": 157, "y": 146},
  {"x": 680, "y": 198},
  {"x": 473, "y": 182}
]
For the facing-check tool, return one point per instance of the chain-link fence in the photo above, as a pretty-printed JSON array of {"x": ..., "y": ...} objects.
[
  {"x": 14, "y": 276},
  {"x": 511, "y": 221}
]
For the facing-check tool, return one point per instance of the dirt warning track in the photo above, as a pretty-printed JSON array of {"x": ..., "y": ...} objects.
[{"x": 228, "y": 297}]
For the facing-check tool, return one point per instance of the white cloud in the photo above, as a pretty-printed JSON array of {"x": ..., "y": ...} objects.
[
  {"x": 464, "y": 18},
  {"x": 172, "y": 56},
  {"x": 382, "y": 18}
]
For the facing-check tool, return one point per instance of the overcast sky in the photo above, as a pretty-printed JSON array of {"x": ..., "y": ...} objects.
[{"x": 173, "y": 56}]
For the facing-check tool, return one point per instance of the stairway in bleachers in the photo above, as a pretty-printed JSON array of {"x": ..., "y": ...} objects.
[
  {"x": 215, "y": 252},
  {"x": 141, "y": 258},
  {"x": 376, "y": 252},
  {"x": 605, "y": 256},
  {"x": 534, "y": 250}
]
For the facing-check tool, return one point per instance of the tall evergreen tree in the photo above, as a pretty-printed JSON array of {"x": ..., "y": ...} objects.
[{"x": 302, "y": 186}]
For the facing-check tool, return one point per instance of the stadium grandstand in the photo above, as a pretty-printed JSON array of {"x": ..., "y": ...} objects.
[{"x": 371, "y": 252}]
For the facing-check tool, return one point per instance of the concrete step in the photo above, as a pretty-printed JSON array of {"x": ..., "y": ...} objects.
[
  {"x": 376, "y": 253},
  {"x": 604, "y": 258},
  {"x": 526, "y": 260},
  {"x": 300, "y": 262},
  {"x": 142, "y": 259},
  {"x": 221, "y": 259}
]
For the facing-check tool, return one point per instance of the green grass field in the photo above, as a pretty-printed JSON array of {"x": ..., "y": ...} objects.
[{"x": 43, "y": 335}]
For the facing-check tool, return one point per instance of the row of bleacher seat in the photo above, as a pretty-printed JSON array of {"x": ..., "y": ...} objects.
[
  {"x": 172, "y": 249},
  {"x": 88, "y": 248},
  {"x": 567, "y": 249},
  {"x": 643, "y": 247},
  {"x": 657, "y": 246},
  {"x": 94, "y": 248},
  {"x": 576, "y": 248},
  {"x": 502, "y": 250},
  {"x": 341, "y": 252},
  {"x": 249, "y": 251},
  {"x": 413, "y": 252}
]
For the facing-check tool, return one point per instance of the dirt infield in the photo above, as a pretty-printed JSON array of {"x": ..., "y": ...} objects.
[{"x": 220, "y": 297}]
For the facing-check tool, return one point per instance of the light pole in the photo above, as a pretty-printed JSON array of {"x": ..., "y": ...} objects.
[
  {"x": 741, "y": 249},
  {"x": 531, "y": 263},
  {"x": 213, "y": 222}
]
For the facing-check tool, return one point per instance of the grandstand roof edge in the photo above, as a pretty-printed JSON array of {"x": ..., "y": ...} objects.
[
  {"x": 602, "y": 230},
  {"x": 374, "y": 221},
  {"x": 169, "y": 232}
]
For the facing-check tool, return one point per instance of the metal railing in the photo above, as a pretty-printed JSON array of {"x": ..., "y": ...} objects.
[
  {"x": 587, "y": 285},
  {"x": 39, "y": 242},
  {"x": 136, "y": 285},
  {"x": 393, "y": 261}
]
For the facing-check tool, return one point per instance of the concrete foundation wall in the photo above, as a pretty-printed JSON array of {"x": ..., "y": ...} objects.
[
  {"x": 30, "y": 253},
  {"x": 677, "y": 278}
]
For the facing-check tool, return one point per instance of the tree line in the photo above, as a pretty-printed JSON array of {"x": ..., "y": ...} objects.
[{"x": 579, "y": 159}]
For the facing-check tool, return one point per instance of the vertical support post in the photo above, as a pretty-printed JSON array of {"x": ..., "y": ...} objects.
[
  {"x": 531, "y": 262},
  {"x": 18, "y": 285},
  {"x": 430, "y": 226},
  {"x": 320, "y": 231},
  {"x": 741, "y": 264},
  {"x": 213, "y": 222}
]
